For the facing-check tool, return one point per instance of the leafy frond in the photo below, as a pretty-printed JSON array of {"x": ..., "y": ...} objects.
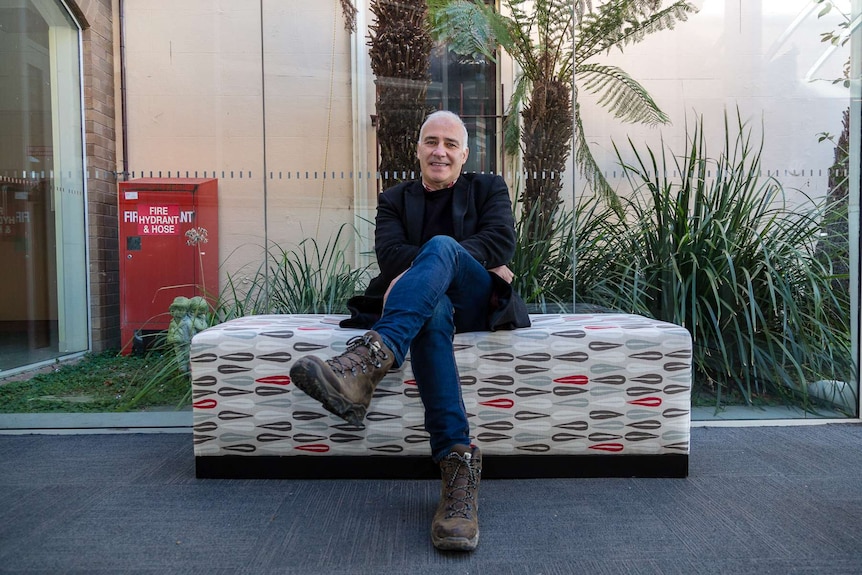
[
  {"x": 522, "y": 45},
  {"x": 590, "y": 170},
  {"x": 555, "y": 30},
  {"x": 512, "y": 123},
  {"x": 469, "y": 28},
  {"x": 621, "y": 94},
  {"x": 626, "y": 22},
  {"x": 349, "y": 15}
]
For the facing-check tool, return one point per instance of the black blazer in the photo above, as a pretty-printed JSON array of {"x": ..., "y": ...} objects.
[{"x": 483, "y": 224}]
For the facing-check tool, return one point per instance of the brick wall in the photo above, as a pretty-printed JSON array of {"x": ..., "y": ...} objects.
[{"x": 98, "y": 18}]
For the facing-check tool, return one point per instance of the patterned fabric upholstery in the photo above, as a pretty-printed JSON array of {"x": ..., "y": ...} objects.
[{"x": 568, "y": 385}]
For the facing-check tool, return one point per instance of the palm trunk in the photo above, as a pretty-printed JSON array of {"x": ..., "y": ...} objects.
[
  {"x": 546, "y": 139},
  {"x": 400, "y": 48}
]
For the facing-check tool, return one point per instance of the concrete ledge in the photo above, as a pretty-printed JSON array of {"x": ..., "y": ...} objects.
[{"x": 79, "y": 423}]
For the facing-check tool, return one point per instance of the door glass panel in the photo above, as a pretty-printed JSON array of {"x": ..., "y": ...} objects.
[{"x": 43, "y": 297}]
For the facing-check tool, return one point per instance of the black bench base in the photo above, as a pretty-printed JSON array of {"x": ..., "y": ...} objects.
[{"x": 418, "y": 467}]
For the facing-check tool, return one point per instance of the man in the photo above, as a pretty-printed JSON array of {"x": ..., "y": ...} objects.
[{"x": 443, "y": 244}]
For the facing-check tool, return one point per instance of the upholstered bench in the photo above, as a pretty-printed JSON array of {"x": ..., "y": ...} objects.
[{"x": 573, "y": 395}]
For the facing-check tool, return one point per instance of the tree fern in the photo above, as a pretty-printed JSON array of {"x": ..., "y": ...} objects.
[{"x": 551, "y": 40}]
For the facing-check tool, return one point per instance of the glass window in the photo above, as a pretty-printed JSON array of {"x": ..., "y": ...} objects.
[
  {"x": 43, "y": 296},
  {"x": 467, "y": 85},
  {"x": 734, "y": 201},
  {"x": 742, "y": 104}
]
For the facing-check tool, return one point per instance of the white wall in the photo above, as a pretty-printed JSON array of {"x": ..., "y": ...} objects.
[
  {"x": 754, "y": 55},
  {"x": 202, "y": 75}
]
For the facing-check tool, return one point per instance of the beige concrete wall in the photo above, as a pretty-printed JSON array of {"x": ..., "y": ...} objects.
[{"x": 201, "y": 76}]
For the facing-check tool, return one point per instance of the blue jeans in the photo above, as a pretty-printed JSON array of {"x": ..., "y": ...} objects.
[{"x": 445, "y": 291}]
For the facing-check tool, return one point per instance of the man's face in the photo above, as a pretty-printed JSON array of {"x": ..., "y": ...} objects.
[{"x": 441, "y": 152}]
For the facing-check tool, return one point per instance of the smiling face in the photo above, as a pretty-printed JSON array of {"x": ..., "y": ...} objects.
[{"x": 442, "y": 151}]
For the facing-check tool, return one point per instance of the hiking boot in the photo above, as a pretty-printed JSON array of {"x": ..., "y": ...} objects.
[
  {"x": 456, "y": 522},
  {"x": 344, "y": 384}
]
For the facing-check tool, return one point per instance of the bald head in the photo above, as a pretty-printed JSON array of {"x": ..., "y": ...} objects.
[
  {"x": 448, "y": 116},
  {"x": 441, "y": 150}
]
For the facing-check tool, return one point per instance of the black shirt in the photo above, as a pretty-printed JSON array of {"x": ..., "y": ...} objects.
[{"x": 438, "y": 214}]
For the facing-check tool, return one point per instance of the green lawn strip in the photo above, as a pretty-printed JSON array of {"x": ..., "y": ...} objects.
[{"x": 100, "y": 382}]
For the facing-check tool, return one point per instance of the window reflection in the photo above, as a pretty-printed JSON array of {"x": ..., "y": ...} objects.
[{"x": 42, "y": 245}]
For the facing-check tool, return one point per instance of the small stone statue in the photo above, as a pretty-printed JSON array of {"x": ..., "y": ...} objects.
[
  {"x": 180, "y": 331},
  {"x": 199, "y": 309}
]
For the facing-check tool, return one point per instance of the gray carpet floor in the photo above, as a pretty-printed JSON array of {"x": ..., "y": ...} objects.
[{"x": 758, "y": 500}]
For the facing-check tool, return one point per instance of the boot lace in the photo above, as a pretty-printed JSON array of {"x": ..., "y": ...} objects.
[
  {"x": 355, "y": 358},
  {"x": 460, "y": 495}
]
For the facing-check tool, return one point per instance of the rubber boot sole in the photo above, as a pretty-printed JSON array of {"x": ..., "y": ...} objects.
[
  {"x": 308, "y": 375},
  {"x": 455, "y": 543}
]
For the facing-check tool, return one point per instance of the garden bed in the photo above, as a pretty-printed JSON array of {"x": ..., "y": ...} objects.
[{"x": 101, "y": 382}]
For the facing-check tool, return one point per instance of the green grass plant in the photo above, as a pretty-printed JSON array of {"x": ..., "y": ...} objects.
[
  {"x": 548, "y": 254},
  {"x": 710, "y": 243},
  {"x": 542, "y": 263},
  {"x": 307, "y": 279}
]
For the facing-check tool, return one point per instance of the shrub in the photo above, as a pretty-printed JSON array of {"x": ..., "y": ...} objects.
[{"x": 710, "y": 244}]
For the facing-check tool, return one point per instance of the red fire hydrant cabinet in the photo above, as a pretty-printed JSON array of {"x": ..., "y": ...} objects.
[{"x": 168, "y": 248}]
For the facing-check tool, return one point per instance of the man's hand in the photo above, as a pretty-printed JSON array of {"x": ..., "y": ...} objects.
[{"x": 504, "y": 272}]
